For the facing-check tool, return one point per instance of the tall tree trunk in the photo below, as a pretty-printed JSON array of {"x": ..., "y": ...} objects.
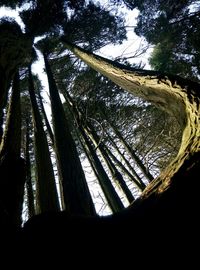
[
  {"x": 15, "y": 48},
  {"x": 50, "y": 132},
  {"x": 111, "y": 195},
  {"x": 29, "y": 184},
  {"x": 75, "y": 190},
  {"x": 47, "y": 197},
  {"x": 129, "y": 150},
  {"x": 51, "y": 135},
  {"x": 12, "y": 169},
  {"x": 124, "y": 169},
  {"x": 133, "y": 175},
  {"x": 116, "y": 175}
]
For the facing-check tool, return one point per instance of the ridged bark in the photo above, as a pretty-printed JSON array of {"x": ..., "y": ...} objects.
[{"x": 47, "y": 197}]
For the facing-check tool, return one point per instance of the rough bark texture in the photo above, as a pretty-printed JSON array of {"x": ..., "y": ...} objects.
[{"x": 47, "y": 196}]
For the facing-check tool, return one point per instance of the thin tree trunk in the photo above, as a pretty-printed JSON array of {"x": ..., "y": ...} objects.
[
  {"x": 46, "y": 191},
  {"x": 51, "y": 135},
  {"x": 75, "y": 190},
  {"x": 135, "y": 177},
  {"x": 117, "y": 177},
  {"x": 12, "y": 168},
  {"x": 111, "y": 195},
  {"x": 49, "y": 129},
  {"x": 131, "y": 152},
  {"x": 29, "y": 184},
  {"x": 125, "y": 171}
]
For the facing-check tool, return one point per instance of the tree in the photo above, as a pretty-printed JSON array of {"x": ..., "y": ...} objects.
[
  {"x": 110, "y": 30},
  {"x": 14, "y": 55},
  {"x": 172, "y": 26},
  {"x": 12, "y": 168},
  {"x": 47, "y": 197},
  {"x": 111, "y": 195},
  {"x": 39, "y": 22},
  {"x": 75, "y": 190}
]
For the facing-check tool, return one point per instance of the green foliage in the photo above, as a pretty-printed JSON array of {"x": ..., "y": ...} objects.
[
  {"x": 8, "y": 24},
  {"x": 12, "y": 3},
  {"x": 167, "y": 59},
  {"x": 172, "y": 26},
  {"x": 95, "y": 26},
  {"x": 43, "y": 16}
]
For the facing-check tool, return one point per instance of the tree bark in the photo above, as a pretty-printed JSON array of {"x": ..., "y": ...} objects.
[
  {"x": 47, "y": 196},
  {"x": 29, "y": 184},
  {"x": 49, "y": 129},
  {"x": 116, "y": 175},
  {"x": 110, "y": 194},
  {"x": 133, "y": 175},
  {"x": 12, "y": 168},
  {"x": 132, "y": 153},
  {"x": 15, "y": 49}
]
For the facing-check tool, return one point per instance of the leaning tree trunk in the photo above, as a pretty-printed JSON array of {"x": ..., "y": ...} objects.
[{"x": 168, "y": 194}]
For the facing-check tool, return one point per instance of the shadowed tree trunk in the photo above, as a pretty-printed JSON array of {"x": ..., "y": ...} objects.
[
  {"x": 47, "y": 197},
  {"x": 133, "y": 175},
  {"x": 12, "y": 168},
  {"x": 116, "y": 175},
  {"x": 29, "y": 184},
  {"x": 125, "y": 170},
  {"x": 50, "y": 132},
  {"x": 15, "y": 49},
  {"x": 132, "y": 153},
  {"x": 75, "y": 190},
  {"x": 110, "y": 194}
]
